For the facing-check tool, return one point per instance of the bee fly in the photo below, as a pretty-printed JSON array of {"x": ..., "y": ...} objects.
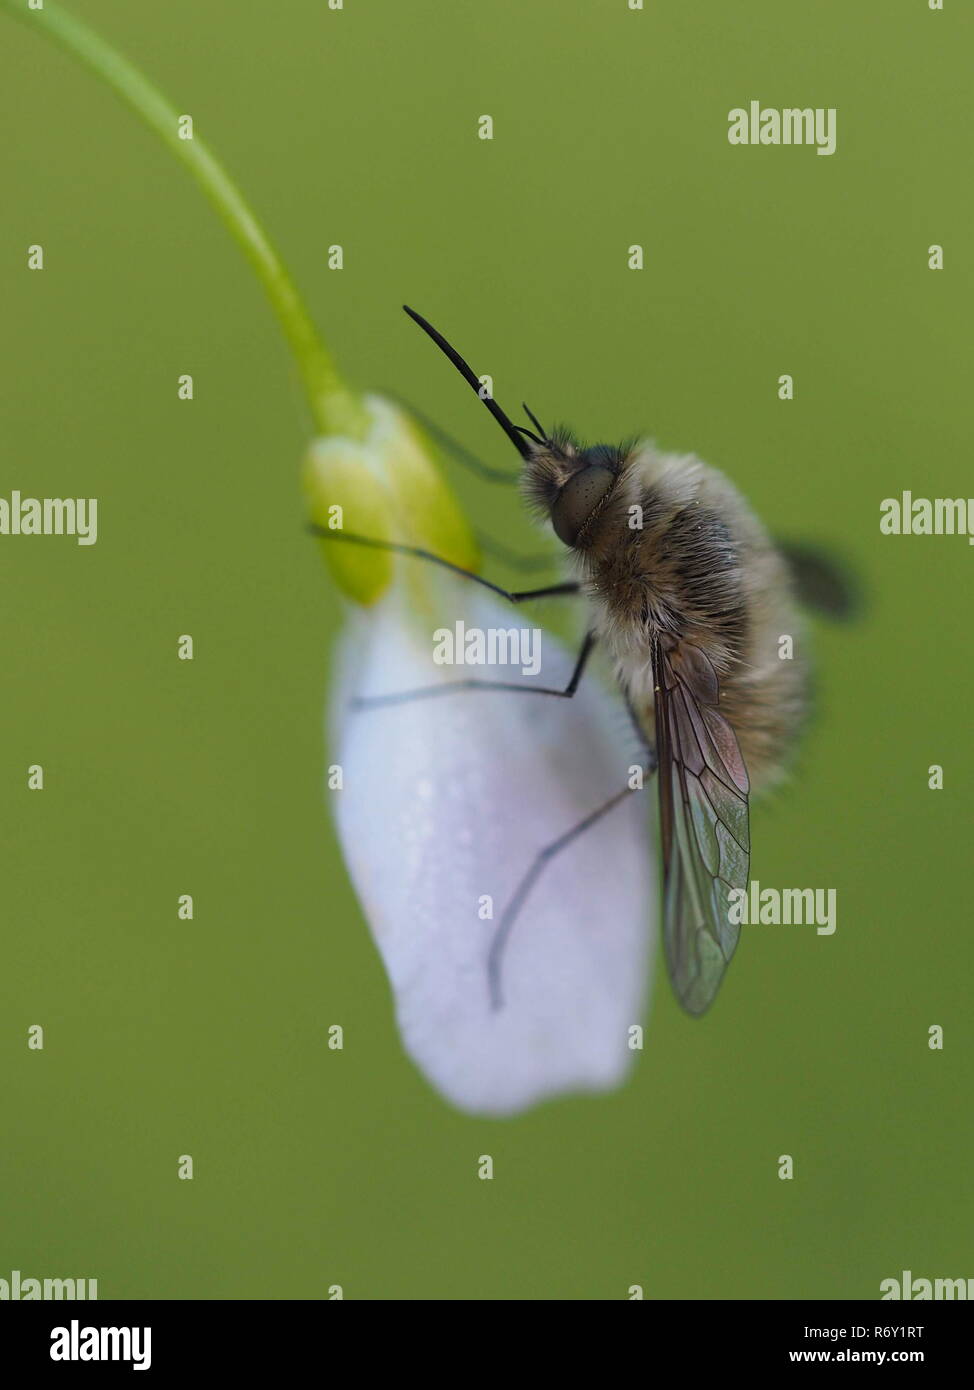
[{"x": 689, "y": 597}]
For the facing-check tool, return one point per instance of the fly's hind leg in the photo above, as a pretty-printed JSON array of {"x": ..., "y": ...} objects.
[{"x": 544, "y": 856}]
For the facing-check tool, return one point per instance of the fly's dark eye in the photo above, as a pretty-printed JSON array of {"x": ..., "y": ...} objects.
[{"x": 578, "y": 499}]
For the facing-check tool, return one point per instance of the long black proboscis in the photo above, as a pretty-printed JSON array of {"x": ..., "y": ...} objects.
[{"x": 472, "y": 380}]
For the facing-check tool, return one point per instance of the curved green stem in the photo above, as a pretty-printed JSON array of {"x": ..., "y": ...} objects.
[{"x": 336, "y": 409}]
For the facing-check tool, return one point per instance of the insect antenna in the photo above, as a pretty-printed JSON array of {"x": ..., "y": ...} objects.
[
  {"x": 512, "y": 431},
  {"x": 535, "y": 422},
  {"x": 529, "y": 434}
]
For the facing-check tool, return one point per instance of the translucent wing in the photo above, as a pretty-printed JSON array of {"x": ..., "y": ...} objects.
[{"x": 703, "y": 789}]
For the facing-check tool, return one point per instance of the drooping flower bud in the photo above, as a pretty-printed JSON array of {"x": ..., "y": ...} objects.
[{"x": 388, "y": 487}]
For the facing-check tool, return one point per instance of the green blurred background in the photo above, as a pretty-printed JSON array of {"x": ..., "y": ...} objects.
[{"x": 359, "y": 127}]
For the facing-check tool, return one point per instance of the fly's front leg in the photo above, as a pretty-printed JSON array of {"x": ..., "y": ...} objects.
[{"x": 418, "y": 553}]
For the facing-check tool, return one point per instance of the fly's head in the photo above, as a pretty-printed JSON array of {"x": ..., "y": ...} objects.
[{"x": 571, "y": 484}]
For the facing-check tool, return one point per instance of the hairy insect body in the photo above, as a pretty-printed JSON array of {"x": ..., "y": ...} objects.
[{"x": 674, "y": 550}]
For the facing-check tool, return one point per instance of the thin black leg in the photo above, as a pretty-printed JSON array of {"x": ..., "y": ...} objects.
[
  {"x": 515, "y": 596},
  {"x": 402, "y": 697},
  {"x": 528, "y": 564},
  {"x": 459, "y": 451},
  {"x": 543, "y": 857},
  {"x": 652, "y": 760}
]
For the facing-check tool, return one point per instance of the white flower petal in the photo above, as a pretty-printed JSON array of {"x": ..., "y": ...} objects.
[{"x": 450, "y": 798}]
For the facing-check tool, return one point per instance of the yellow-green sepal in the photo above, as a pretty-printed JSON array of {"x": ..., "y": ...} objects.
[{"x": 386, "y": 487}]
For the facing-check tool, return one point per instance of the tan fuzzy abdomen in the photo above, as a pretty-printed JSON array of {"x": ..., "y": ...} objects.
[
  {"x": 765, "y": 707},
  {"x": 765, "y": 697}
]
